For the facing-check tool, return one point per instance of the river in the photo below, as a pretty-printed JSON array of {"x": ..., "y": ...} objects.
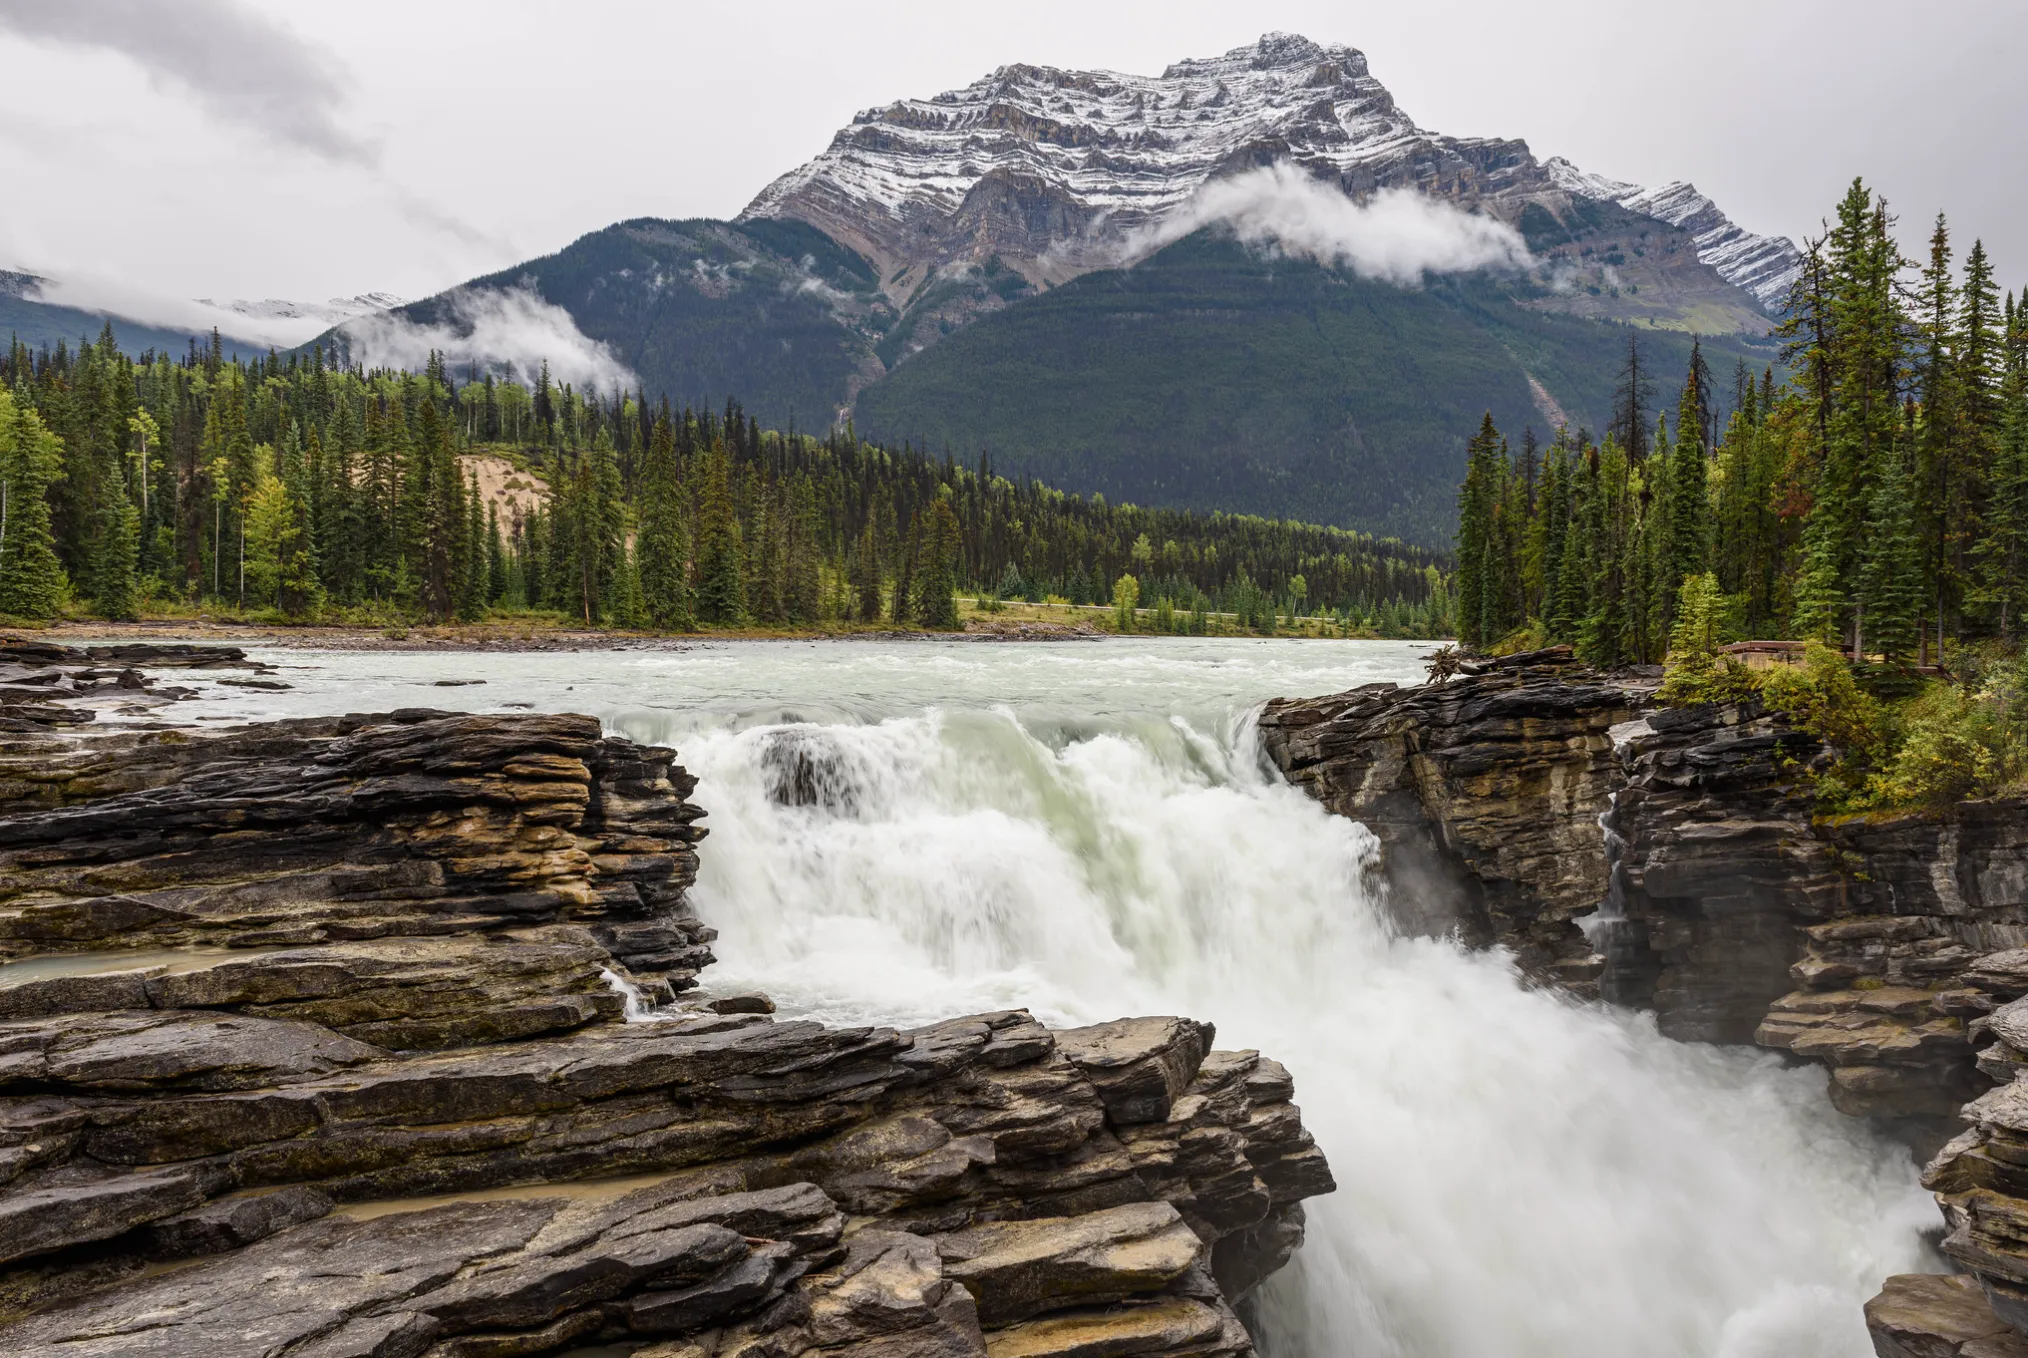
[{"x": 1087, "y": 830}]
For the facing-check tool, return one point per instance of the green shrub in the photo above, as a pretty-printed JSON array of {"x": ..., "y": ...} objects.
[
  {"x": 1696, "y": 672},
  {"x": 1821, "y": 696},
  {"x": 1707, "y": 679},
  {"x": 1954, "y": 745}
]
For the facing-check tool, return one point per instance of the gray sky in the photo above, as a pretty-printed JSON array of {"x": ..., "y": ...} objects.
[{"x": 232, "y": 149}]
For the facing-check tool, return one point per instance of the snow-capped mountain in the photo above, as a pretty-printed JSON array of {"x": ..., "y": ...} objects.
[
  {"x": 1763, "y": 265},
  {"x": 336, "y": 311},
  {"x": 1059, "y": 172}
]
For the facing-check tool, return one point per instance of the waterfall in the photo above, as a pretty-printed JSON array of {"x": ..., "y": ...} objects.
[
  {"x": 1519, "y": 1174},
  {"x": 906, "y": 831},
  {"x": 638, "y": 1009}
]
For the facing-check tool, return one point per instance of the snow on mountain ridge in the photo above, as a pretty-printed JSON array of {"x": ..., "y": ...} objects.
[
  {"x": 1763, "y": 265},
  {"x": 1054, "y": 171},
  {"x": 1119, "y": 148},
  {"x": 333, "y": 312}
]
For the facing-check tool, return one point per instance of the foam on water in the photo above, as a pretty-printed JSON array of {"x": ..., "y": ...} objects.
[{"x": 1089, "y": 832}]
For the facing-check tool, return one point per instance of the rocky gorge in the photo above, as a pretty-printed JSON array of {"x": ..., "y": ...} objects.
[
  {"x": 389, "y": 1035},
  {"x": 1673, "y": 859}
]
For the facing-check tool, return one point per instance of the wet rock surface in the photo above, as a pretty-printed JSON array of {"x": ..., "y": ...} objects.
[
  {"x": 1890, "y": 947},
  {"x": 312, "y": 1043},
  {"x": 1484, "y": 792}
]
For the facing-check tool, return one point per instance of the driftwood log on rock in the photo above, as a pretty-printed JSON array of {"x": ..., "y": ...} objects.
[{"x": 312, "y": 1044}]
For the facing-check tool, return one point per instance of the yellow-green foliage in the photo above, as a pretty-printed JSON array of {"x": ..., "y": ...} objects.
[
  {"x": 1951, "y": 748},
  {"x": 1821, "y": 696},
  {"x": 1707, "y": 679},
  {"x": 1696, "y": 672}
]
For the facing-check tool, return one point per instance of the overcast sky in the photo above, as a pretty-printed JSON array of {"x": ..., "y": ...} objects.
[{"x": 233, "y": 149}]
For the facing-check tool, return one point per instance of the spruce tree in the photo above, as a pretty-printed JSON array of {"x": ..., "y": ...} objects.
[
  {"x": 1479, "y": 584},
  {"x": 475, "y": 579},
  {"x": 866, "y": 573},
  {"x": 1890, "y": 573},
  {"x": 1689, "y": 505},
  {"x": 608, "y": 524},
  {"x": 31, "y": 575},
  {"x": 496, "y": 556},
  {"x": 662, "y": 548},
  {"x": 721, "y": 574},
  {"x": 118, "y": 552},
  {"x": 803, "y": 587},
  {"x": 936, "y": 604}
]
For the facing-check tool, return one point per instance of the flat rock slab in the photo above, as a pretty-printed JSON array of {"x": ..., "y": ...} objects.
[
  {"x": 1938, "y": 1315},
  {"x": 399, "y": 1282},
  {"x": 1019, "y": 1268},
  {"x": 181, "y": 1049},
  {"x": 1162, "y": 1327}
]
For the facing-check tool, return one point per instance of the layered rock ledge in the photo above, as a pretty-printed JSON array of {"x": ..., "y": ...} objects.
[
  {"x": 1675, "y": 859},
  {"x": 314, "y": 1041}
]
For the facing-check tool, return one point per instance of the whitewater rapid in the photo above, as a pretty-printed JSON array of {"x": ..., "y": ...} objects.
[{"x": 1089, "y": 832}]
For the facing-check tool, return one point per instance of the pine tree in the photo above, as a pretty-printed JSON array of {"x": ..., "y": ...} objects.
[
  {"x": 721, "y": 574},
  {"x": 32, "y": 581},
  {"x": 1631, "y": 394},
  {"x": 617, "y": 594},
  {"x": 803, "y": 587},
  {"x": 2004, "y": 548},
  {"x": 117, "y": 553},
  {"x": 1890, "y": 573},
  {"x": 496, "y": 556},
  {"x": 662, "y": 548},
  {"x": 1479, "y": 568},
  {"x": 474, "y": 579},
  {"x": 902, "y": 608},
  {"x": 1689, "y": 504},
  {"x": 1607, "y": 527},
  {"x": 767, "y": 563},
  {"x": 936, "y": 604},
  {"x": 866, "y": 573}
]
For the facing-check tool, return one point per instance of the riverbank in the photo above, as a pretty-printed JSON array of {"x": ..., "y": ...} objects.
[
  {"x": 982, "y": 619},
  {"x": 519, "y": 635}
]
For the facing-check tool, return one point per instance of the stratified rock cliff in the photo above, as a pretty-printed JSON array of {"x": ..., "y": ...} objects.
[
  {"x": 1890, "y": 947},
  {"x": 312, "y": 1043},
  {"x": 1485, "y": 794}
]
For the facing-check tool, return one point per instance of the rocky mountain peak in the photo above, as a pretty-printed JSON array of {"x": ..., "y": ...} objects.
[{"x": 1054, "y": 172}]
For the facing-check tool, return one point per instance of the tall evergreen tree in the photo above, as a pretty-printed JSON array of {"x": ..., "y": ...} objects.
[
  {"x": 721, "y": 573},
  {"x": 1890, "y": 572},
  {"x": 936, "y": 604},
  {"x": 1479, "y": 585},
  {"x": 866, "y": 573},
  {"x": 31, "y": 461},
  {"x": 662, "y": 548}
]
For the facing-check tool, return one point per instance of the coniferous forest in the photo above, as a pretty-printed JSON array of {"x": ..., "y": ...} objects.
[
  {"x": 1868, "y": 507},
  {"x": 292, "y": 489},
  {"x": 1874, "y": 496}
]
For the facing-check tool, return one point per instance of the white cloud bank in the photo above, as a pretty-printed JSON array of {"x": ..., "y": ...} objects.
[
  {"x": 124, "y": 301},
  {"x": 512, "y": 331},
  {"x": 1396, "y": 236}
]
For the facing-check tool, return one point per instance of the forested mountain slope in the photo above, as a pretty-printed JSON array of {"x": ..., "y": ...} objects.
[{"x": 1009, "y": 268}]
